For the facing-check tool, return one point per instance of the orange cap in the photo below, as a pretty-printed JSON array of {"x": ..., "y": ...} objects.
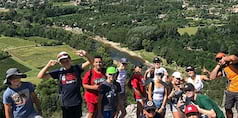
[{"x": 220, "y": 55}]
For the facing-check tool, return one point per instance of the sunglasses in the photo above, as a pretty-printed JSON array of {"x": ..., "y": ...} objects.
[
  {"x": 150, "y": 110},
  {"x": 218, "y": 59},
  {"x": 112, "y": 74}
]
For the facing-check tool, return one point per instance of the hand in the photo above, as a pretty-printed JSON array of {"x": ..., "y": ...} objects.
[
  {"x": 95, "y": 87},
  {"x": 160, "y": 110},
  {"x": 81, "y": 53},
  {"x": 52, "y": 63}
]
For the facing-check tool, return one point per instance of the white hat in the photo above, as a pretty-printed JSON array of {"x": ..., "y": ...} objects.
[
  {"x": 177, "y": 75},
  {"x": 62, "y": 55}
]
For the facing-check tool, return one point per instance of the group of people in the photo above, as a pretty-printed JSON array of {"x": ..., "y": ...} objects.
[{"x": 155, "y": 91}]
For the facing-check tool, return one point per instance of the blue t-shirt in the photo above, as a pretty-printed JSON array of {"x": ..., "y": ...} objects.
[
  {"x": 70, "y": 85},
  {"x": 20, "y": 100}
]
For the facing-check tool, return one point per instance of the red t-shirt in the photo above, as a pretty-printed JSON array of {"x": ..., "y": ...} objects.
[
  {"x": 92, "y": 95},
  {"x": 137, "y": 83}
]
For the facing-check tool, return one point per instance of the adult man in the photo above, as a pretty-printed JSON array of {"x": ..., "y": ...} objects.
[
  {"x": 159, "y": 69},
  {"x": 121, "y": 78},
  {"x": 227, "y": 65},
  {"x": 19, "y": 97},
  {"x": 204, "y": 104},
  {"x": 70, "y": 82},
  {"x": 191, "y": 111},
  {"x": 91, "y": 82}
]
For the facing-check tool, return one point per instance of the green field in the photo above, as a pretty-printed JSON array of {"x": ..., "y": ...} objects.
[
  {"x": 189, "y": 30},
  {"x": 28, "y": 57},
  {"x": 7, "y": 43}
]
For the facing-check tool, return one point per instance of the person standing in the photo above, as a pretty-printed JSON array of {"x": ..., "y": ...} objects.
[
  {"x": 19, "y": 98},
  {"x": 158, "y": 69},
  {"x": 158, "y": 94},
  {"x": 108, "y": 94},
  {"x": 69, "y": 82},
  {"x": 139, "y": 89},
  {"x": 227, "y": 66},
  {"x": 91, "y": 82},
  {"x": 196, "y": 80},
  {"x": 121, "y": 78}
]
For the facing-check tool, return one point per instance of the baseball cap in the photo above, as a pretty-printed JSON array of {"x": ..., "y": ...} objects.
[
  {"x": 188, "y": 87},
  {"x": 62, "y": 55},
  {"x": 190, "y": 68},
  {"x": 220, "y": 55},
  {"x": 177, "y": 75},
  {"x": 191, "y": 109},
  {"x": 111, "y": 70},
  {"x": 13, "y": 71},
  {"x": 156, "y": 60},
  {"x": 149, "y": 105},
  {"x": 124, "y": 60}
]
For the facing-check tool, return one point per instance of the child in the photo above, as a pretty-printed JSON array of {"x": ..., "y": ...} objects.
[
  {"x": 108, "y": 93},
  {"x": 19, "y": 97}
]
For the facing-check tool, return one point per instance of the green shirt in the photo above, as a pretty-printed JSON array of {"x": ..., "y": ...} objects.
[{"x": 206, "y": 103}]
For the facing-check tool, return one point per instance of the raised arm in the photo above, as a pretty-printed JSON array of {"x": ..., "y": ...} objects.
[
  {"x": 43, "y": 73},
  {"x": 83, "y": 53},
  {"x": 215, "y": 72}
]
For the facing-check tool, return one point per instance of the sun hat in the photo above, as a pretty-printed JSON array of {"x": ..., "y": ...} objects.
[
  {"x": 124, "y": 60},
  {"x": 13, "y": 71},
  {"x": 190, "y": 68},
  {"x": 188, "y": 87},
  {"x": 149, "y": 105},
  {"x": 156, "y": 60}
]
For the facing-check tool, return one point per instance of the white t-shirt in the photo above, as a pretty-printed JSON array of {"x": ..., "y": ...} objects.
[{"x": 161, "y": 70}]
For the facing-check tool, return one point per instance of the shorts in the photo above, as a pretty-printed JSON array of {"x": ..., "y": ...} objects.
[
  {"x": 72, "y": 111},
  {"x": 92, "y": 107},
  {"x": 158, "y": 103},
  {"x": 108, "y": 114},
  {"x": 139, "y": 100},
  {"x": 231, "y": 99}
]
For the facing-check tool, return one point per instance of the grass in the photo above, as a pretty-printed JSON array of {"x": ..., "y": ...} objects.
[
  {"x": 39, "y": 40},
  {"x": 189, "y": 30},
  {"x": 7, "y": 43},
  {"x": 39, "y": 56},
  {"x": 28, "y": 57}
]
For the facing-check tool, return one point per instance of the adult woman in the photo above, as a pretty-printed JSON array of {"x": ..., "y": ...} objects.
[
  {"x": 176, "y": 94},
  {"x": 158, "y": 94}
]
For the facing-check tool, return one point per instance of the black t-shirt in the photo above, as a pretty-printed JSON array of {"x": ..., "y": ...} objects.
[
  {"x": 109, "y": 92},
  {"x": 70, "y": 84}
]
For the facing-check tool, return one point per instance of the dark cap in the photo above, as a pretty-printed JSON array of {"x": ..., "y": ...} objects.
[
  {"x": 190, "y": 68},
  {"x": 149, "y": 105},
  {"x": 188, "y": 87},
  {"x": 124, "y": 60},
  {"x": 13, "y": 71},
  {"x": 138, "y": 65},
  {"x": 156, "y": 60}
]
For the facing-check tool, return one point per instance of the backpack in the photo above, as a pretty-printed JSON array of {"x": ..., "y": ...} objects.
[{"x": 91, "y": 74}]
